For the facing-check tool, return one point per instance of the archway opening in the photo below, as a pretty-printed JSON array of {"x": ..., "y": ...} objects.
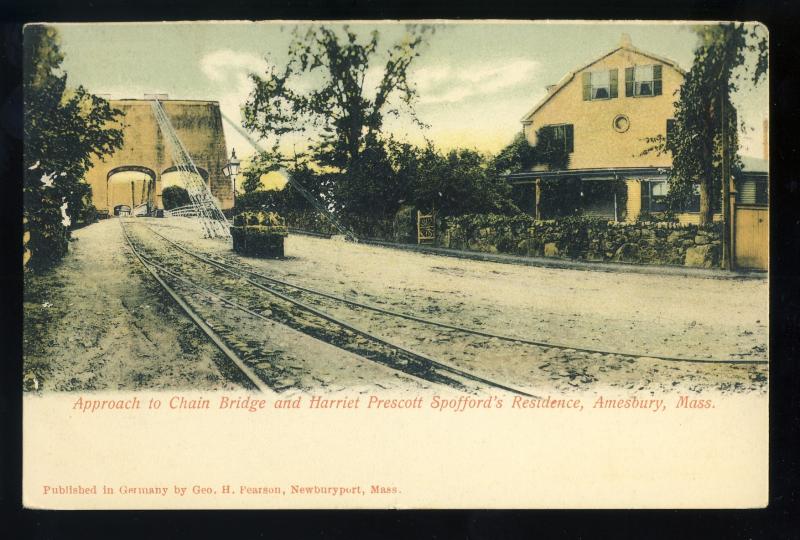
[{"x": 132, "y": 186}]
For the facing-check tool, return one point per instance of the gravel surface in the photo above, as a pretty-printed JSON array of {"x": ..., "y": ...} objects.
[
  {"x": 99, "y": 321},
  {"x": 620, "y": 312}
]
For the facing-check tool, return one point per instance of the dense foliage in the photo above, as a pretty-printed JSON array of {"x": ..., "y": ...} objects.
[
  {"x": 460, "y": 182},
  {"x": 389, "y": 177},
  {"x": 520, "y": 155},
  {"x": 64, "y": 129},
  {"x": 174, "y": 197},
  {"x": 358, "y": 173},
  {"x": 342, "y": 112},
  {"x": 705, "y": 118}
]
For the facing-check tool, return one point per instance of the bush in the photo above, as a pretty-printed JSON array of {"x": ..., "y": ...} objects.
[
  {"x": 405, "y": 225},
  {"x": 86, "y": 215},
  {"x": 49, "y": 239},
  {"x": 269, "y": 201},
  {"x": 65, "y": 129},
  {"x": 174, "y": 197}
]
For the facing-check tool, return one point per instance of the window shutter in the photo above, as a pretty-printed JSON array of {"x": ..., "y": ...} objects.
[
  {"x": 570, "y": 138},
  {"x": 612, "y": 75},
  {"x": 670, "y": 129},
  {"x": 628, "y": 82},
  {"x": 657, "y": 80},
  {"x": 645, "y": 197},
  {"x": 587, "y": 86}
]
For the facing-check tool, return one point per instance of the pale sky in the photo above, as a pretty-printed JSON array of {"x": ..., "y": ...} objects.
[{"x": 476, "y": 80}]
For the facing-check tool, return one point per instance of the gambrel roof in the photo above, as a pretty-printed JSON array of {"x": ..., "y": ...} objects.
[{"x": 566, "y": 79}]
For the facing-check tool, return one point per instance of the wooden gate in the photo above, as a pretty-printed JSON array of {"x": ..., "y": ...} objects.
[
  {"x": 426, "y": 228},
  {"x": 751, "y": 241}
]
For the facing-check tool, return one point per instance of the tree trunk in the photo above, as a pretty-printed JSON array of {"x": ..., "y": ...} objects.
[
  {"x": 707, "y": 180},
  {"x": 706, "y": 208}
]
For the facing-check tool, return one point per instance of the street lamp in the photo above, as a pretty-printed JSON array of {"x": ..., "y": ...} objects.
[{"x": 230, "y": 170}]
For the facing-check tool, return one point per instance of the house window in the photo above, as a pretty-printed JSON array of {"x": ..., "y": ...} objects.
[
  {"x": 641, "y": 81},
  {"x": 562, "y": 136},
  {"x": 752, "y": 190},
  {"x": 670, "y": 129},
  {"x": 599, "y": 85},
  {"x": 654, "y": 196}
]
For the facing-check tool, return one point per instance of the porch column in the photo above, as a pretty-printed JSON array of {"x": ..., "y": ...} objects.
[
  {"x": 537, "y": 208},
  {"x": 633, "y": 206}
]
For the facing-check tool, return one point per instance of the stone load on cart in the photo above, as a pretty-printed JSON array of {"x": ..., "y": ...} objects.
[{"x": 259, "y": 234}]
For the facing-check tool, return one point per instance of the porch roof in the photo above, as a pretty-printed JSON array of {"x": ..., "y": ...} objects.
[{"x": 611, "y": 173}]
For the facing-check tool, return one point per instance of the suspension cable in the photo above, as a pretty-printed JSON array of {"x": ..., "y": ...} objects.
[
  {"x": 215, "y": 224},
  {"x": 297, "y": 186}
]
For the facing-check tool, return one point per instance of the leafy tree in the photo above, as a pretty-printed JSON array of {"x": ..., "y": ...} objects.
[
  {"x": 318, "y": 185},
  {"x": 369, "y": 187},
  {"x": 174, "y": 197},
  {"x": 558, "y": 195},
  {"x": 696, "y": 142},
  {"x": 519, "y": 155},
  {"x": 349, "y": 120},
  {"x": 270, "y": 200},
  {"x": 252, "y": 179},
  {"x": 459, "y": 183},
  {"x": 64, "y": 129},
  {"x": 260, "y": 164}
]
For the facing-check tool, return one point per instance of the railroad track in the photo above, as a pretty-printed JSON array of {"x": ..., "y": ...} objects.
[
  {"x": 287, "y": 288},
  {"x": 254, "y": 380},
  {"x": 301, "y": 316}
]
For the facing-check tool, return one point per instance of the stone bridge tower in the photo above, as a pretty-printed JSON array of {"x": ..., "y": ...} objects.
[{"x": 143, "y": 167}]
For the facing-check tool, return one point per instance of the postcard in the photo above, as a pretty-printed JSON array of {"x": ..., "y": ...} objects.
[{"x": 396, "y": 264}]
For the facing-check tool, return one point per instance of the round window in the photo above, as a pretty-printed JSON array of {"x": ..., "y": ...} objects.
[{"x": 621, "y": 123}]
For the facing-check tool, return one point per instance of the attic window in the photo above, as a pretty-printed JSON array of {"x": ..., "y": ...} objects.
[
  {"x": 599, "y": 85},
  {"x": 643, "y": 81}
]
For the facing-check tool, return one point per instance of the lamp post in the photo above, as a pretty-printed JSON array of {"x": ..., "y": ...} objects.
[{"x": 230, "y": 170}]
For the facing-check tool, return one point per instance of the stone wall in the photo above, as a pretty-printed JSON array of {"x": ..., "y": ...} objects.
[
  {"x": 575, "y": 238},
  {"x": 402, "y": 229},
  {"x": 198, "y": 125},
  {"x": 585, "y": 239}
]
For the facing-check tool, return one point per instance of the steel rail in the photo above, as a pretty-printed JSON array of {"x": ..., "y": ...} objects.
[
  {"x": 213, "y": 336},
  {"x": 456, "y": 327},
  {"x": 255, "y": 313},
  {"x": 413, "y": 355}
]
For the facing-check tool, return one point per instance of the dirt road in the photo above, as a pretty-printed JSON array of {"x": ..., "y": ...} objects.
[{"x": 98, "y": 322}]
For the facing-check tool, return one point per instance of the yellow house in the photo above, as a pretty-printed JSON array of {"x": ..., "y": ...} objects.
[{"x": 604, "y": 113}]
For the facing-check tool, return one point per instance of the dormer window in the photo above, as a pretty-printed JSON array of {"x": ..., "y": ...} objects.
[
  {"x": 642, "y": 81},
  {"x": 599, "y": 85}
]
